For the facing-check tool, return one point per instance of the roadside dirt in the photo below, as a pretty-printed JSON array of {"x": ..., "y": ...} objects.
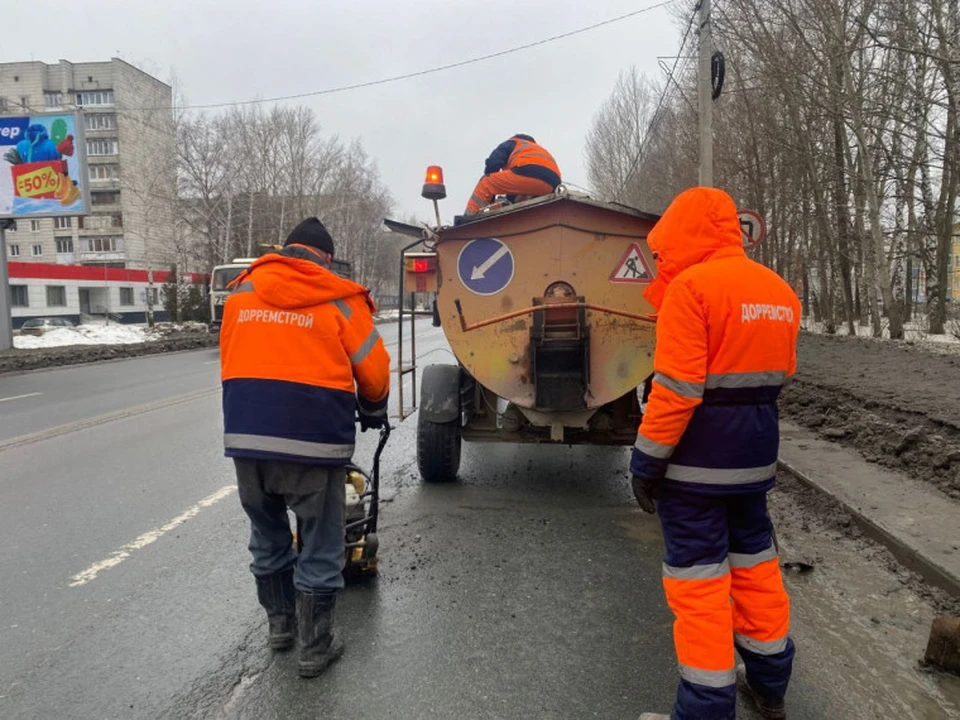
[
  {"x": 897, "y": 404},
  {"x": 819, "y": 521},
  {"x": 13, "y": 361}
]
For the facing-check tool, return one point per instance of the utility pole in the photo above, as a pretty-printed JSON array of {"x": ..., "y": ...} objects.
[
  {"x": 705, "y": 96},
  {"x": 6, "y": 322}
]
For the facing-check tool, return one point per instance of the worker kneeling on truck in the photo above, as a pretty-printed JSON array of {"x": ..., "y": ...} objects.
[
  {"x": 518, "y": 168},
  {"x": 706, "y": 455},
  {"x": 299, "y": 358}
]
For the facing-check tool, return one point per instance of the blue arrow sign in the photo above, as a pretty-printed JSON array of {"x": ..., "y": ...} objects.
[{"x": 485, "y": 266}]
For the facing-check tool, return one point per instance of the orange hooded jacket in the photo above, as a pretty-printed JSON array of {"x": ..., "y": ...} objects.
[
  {"x": 726, "y": 343},
  {"x": 299, "y": 356}
]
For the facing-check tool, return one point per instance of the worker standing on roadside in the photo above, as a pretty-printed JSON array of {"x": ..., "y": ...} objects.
[
  {"x": 706, "y": 455},
  {"x": 299, "y": 357},
  {"x": 517, "y": 168}
]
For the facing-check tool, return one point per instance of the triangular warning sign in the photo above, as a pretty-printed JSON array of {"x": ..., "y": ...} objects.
[{"x": 632, "y": 267}]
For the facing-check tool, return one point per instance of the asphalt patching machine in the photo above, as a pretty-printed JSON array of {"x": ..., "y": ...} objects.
[{"x": 542, "y": 304}]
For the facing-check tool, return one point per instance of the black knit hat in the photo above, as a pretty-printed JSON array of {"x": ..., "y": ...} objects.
[{"x": 312, "y": 233}]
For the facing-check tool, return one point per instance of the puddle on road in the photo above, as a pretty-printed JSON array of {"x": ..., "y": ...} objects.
[{"x": 860, "y": 622}]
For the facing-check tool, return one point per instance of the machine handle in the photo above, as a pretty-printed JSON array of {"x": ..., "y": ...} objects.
[{"x": 553, "y": 306}]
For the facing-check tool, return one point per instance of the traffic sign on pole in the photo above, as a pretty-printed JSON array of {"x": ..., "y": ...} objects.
[{"x": 752, "y": 227}]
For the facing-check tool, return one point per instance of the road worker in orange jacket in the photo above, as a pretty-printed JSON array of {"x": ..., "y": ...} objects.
[
  {"x": 706, "y": 455},
  {"x": 518, "y": 168},
  {"x": 299, "y": 357}
]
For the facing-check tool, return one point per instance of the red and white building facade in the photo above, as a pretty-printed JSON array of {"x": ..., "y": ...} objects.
[{"x": 73, "y": 291}]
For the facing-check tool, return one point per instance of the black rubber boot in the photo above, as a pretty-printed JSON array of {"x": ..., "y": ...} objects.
[
  {"x": 770, "y": 708},
  {"x": 320, "y": 644},
  {"x": 276, "y": 594}
]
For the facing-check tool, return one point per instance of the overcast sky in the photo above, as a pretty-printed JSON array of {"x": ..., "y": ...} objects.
[{"x": 245, "y": 49}]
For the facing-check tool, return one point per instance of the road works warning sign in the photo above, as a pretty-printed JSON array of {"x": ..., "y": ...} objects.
[{"x": 632, "y": 267}]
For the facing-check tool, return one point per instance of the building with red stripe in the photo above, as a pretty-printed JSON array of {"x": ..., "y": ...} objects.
[{"x": 75, "y": 291}]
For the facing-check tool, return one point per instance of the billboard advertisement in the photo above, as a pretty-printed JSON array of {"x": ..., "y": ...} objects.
[{"x": 43, "y": 169}]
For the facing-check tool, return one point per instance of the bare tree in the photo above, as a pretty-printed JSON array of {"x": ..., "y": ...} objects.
[
  {"x": 839, "y": 123},
  {"x": 247, "y": 177}
]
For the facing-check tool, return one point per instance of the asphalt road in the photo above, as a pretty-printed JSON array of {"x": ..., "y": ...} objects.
[{"x": 529, "y": 589}]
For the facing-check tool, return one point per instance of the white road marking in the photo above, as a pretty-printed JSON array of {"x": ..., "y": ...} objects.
[
  {"x": 20, "y": 397},
  {"x": 101, "y": 419},
  {"x": 211, "y": 362},
  {"x": 149, "y": 537}
]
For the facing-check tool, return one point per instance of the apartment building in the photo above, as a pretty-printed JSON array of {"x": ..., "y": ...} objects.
[{"x": 130, "y": 146}]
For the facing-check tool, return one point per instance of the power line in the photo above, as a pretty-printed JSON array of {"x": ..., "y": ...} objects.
[
  {"x": 656, "y": 112},
  {"x": 686, "y": 63},
  {"x": 428, "y": 71}
]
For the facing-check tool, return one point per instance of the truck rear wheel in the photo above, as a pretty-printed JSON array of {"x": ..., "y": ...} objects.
[
  {"x": 438, "y": 450},
  {"x": 438, "y": 424}
]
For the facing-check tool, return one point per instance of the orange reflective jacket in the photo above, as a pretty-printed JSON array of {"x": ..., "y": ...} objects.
[
  {"x": 523, "y": 156},
  {"x": 726, "y": 343},
  {"x": 299, "y": 356}
]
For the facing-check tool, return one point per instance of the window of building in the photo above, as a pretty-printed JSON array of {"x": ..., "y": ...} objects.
[
  {"x": 104, "y": 198},
  {"x": 64, "y": 246},
  {"x": 95, "y": 97},
  {"x": 34, "y": 226},
  {"x": 101, "y": 244},
  {"x": 100, "y": 122},
  {"x": 19, "y": 296},
  {"x": 106, "y": 221},
  {"x": 126, "y": 296},
  {"x": 37, "y": 250},
  {"x": 101, "y": 148},
  {"x": 53, "y": 99},
  {"x": 105, "y": 172},
  {"x": 25, "y": 102},
  {"x": 63, "y": 223},
  {"x": 3, "y": 104},
  {"x": 56, "y": 296},
  {"x": 15, "y": 250}
]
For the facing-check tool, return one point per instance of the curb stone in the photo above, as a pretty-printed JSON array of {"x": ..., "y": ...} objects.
[{"x": 911, "y": 519}]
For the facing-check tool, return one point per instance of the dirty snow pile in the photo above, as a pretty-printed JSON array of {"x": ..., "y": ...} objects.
[
  {"x": 83, "y": 335},
  {"x": 914, "y": 331},
  {"x": 385, "y": 315},
  {"x": 165, "y": 329}
]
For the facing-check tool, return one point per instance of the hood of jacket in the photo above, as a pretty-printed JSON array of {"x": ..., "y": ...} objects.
[
  {"x": 700, "y": 224},
  {"x": 296, "y": 277}
]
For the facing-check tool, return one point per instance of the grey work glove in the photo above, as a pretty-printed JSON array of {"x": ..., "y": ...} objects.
[{"x": 645, "y": 491}]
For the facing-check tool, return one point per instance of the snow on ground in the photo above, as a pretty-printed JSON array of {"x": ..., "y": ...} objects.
[
  {"x": 914, "y": 331},
  {"x": 113, "y": 334}
]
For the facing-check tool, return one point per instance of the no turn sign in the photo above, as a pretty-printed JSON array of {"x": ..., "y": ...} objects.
[{"x": 752, "y": 228}]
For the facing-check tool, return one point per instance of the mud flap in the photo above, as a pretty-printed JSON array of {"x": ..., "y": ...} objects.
[{"x": 440, "y": 393}]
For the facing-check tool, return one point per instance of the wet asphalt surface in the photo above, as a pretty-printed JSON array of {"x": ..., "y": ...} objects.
[{"x": 531, "y": 588}]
